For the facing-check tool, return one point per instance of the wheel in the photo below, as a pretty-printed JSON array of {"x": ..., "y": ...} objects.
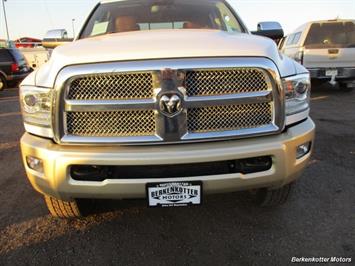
[
  {"x": 272, "y": 197},
  {"x": 63, "y": 209},
  {"x": 344, "y": 87},
  {"x": 3, "y": 83}
]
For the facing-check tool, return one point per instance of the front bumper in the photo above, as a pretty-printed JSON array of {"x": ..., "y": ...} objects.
[
  {"x": 57, "y": 182},
  {"x": 344, "y": 74}
]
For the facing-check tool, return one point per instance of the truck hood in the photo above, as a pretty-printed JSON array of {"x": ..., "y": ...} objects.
[{"x": 161, "y": 44}]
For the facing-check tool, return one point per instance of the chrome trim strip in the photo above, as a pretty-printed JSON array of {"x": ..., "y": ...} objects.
[
  {"x": 154, "y": 65},
  {"x": 72, "y": 72},
  {"x": 40, "y": 131},
  {"x": 265, "y": 130},
  {"x": 229, "y": 99},
  {"x": 108, "y": 105},
  {"x": 291, "y": 119},
  {"x": 107, "y": 140}
]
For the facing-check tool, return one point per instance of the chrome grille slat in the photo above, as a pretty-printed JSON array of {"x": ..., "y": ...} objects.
[
  {"x": 229, "y": 117},
  {"x": 108, "y": 105},
  {"x": 124, "y": 123},
  {"x": 225, "y": 81},
  {"x": 118, "y": 86}
]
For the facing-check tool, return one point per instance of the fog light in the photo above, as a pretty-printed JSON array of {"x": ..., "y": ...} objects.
[
  {"x": 35, "y": 163},
  {"x": 303, "y": 149}
]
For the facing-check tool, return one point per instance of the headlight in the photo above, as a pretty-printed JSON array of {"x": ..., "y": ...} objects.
[
  {"x": 297, "y": 95},
  {"x": 36, "y": 104}
]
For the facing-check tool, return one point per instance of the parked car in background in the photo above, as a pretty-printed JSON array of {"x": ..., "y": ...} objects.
[
  {"x": 13, "y": 67},
  {"x": 326, "y": 49}
]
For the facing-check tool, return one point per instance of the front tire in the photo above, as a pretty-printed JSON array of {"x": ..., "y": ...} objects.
[
  {"x": 63, "y": 209},
  {"x": 273, "y": 197}
]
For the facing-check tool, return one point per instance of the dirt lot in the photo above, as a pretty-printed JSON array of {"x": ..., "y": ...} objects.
[{"x": 319, "y": 219}]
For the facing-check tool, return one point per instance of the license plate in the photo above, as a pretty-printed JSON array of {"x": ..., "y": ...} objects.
[
  {"x": 331, "y": 72},
  {"x": 174, "y": 194}
]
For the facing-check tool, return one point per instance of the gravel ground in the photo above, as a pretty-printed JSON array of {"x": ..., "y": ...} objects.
[{"x": 319, "y": 219}]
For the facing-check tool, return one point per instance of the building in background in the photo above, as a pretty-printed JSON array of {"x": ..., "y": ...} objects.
[{"x": 28, "y": 42}]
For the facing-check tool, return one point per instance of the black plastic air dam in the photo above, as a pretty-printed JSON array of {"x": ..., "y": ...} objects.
[{"x": 97, "y": 173}]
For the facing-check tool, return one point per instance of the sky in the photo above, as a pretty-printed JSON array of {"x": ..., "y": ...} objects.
[{"x": 32, "y": 18}]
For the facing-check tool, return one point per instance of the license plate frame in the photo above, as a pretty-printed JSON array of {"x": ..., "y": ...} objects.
[{"x": 174, "y": 194}]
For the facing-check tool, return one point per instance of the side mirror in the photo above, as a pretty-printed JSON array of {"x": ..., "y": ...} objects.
[{"x": 270, "y": 29}]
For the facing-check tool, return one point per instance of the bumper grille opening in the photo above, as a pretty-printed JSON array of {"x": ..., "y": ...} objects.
[
  {"x": 225, "y": 81},
  {"x": 230, "y": 117},
  {"x": 123, "y": 86},
  {"x": 123, "y": 123},
  {"x": 97, "y": 173}
]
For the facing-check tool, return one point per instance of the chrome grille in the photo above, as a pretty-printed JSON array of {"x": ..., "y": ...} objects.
[
  {"x": 112, "y": 87},
  {"x": 230, "y": 117},
  {"x": 111, "y": 124},
  {"x": 225, "y": 81},
  {"x": 220, "y": 98}
]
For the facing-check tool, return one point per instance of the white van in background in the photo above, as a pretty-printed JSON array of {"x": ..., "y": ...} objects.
[{"x": 326, "y": 49}]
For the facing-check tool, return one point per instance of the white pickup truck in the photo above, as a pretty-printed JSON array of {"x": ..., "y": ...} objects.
[
  {"x": 327, "y": 49},
  {"x": 166, "y": 100}
]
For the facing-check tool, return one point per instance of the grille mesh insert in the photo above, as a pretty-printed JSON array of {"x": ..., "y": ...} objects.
[
  {"x": 230, "y": 117},
  {"x": 225, "y": 81},
  {"x": 112, "y": 87},
  {"x": 125, "y": 123}
]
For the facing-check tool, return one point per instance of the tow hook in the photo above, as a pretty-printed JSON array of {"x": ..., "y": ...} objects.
[{"x": 332, "y": 80}]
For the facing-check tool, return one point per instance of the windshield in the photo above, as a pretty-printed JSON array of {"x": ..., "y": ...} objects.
[
  {"x": 136, "y": 15},
  {"x": 331, "y": 35}
]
